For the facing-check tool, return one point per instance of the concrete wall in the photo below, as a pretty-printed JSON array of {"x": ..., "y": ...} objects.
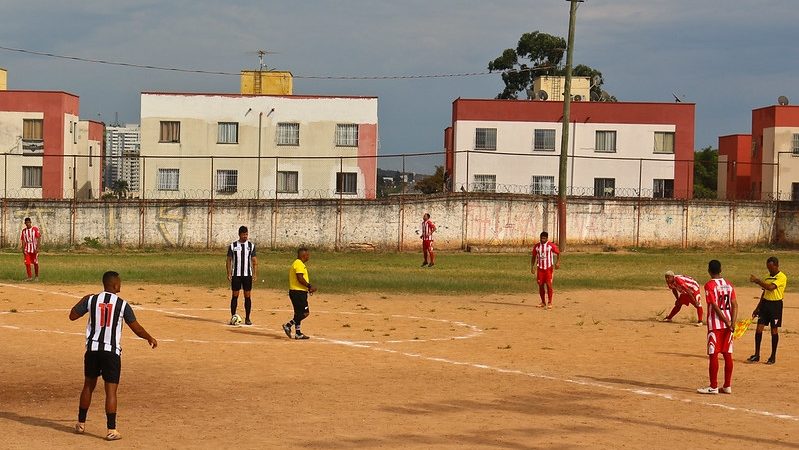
[{"x": 394, "y": 224}]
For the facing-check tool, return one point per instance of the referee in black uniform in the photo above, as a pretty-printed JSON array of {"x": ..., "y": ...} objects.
[{"x": 242, "y": 266}]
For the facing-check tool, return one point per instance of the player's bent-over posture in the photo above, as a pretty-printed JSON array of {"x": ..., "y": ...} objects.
[
  {"x": 722, "y": 310},
  {"x": 769, "y": 308},
  {"x": 542, "y": 264},
  {"x": 30, "y": 248},
  {"x": 103, "y": 348},
  {"x": 299, "y": 288},
  {"x": 242, "y": 268},
  {"x": 686, "y": 292}
]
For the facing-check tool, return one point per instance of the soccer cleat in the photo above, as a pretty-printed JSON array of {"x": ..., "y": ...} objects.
[
  {"x": 36, "y": 280},
  {"x": 699, "y": 324},
  {"x": 549, "y": 306},
  {"x": 424, "y": 264},
  {"x": 753, "y": 358},
  {"x": 667, "y": 319},
  {"x": 247, "y": 322},
  {"x": 28, "y": 280},
  {"x": 726, "y": 390},
  {"x": 541, "y": 305},
  {"x": 80, "y": 427},
  {"x": 113, "y": 435},
  {"x": 431, "y": 264},
  {"x": 299, "y": 336},
  {"x": 771, "y": 360},
  {"x": 287, "y": 329},
  {"x": 708, "y": 390}
]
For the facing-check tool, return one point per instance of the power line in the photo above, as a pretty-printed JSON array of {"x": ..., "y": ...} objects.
[{"x": 310, "y": 77}]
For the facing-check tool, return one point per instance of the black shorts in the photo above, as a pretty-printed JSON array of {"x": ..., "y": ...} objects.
[
  {"x": 237, "y": 283},
  {"x": 299, "y": 300},
  {"x": 107, "y": 364},
  {"x": 770, "y": 313}
]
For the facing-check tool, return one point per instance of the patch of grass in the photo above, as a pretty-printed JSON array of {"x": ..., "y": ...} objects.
[
  {"x": 507, "y": 347},
  {"x": 13, "y": 310}
]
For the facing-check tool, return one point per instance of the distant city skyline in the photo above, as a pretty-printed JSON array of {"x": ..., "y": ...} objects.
[{"x": 728, "y": 58}]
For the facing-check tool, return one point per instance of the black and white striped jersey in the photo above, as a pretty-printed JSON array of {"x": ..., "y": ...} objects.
[
  {"x": 106, "y": 313},
  {"x": 242, "y": 254}
]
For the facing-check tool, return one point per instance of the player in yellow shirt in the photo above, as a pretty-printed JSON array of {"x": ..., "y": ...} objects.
[
  {"x": 299, "y": 288},
  {"x": 769, "y": 309}
]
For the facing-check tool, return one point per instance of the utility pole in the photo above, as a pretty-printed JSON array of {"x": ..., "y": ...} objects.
[{"x": 564, "y": 140}]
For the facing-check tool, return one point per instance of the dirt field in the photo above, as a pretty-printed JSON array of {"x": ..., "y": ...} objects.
[{"x": 391, "y": 371}]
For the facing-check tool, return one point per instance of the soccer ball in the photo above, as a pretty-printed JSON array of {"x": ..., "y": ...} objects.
[{"x": 236, "y": 320}]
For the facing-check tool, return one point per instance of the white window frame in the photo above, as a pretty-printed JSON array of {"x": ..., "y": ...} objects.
[
  {"x": 346, "y": 182},
  {"x": 606, "y": 191},
  {"x": 795, "y": 145},
  {"x": 484, "y": 183},
  {"x": 227, "y": 181},
  {"x": 31, "y": 176},
  {"x": 605, "y": 141},
  {"x": 347, "y": 135},
  {"x": 168, "y": 179},
  {"x": 542, "y": 185},
  {"x": 227, "y": 133},
  {"x": 288, "y": 182},
  {"x": 664, "y": 142},
  {"x": 288, "y": 134},
  {"x": 485, "y": 138},
  {"x": 542, "y": 138}
]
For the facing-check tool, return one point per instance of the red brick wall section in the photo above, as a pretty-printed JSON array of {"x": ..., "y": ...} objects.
[{"x": 367, "y": 157}]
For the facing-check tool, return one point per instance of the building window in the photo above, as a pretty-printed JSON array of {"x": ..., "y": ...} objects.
[
  {"x": 663, "y": 189},
  {"x": 485, "y": 183},
  {"x": 604, "y": 187},
  {"x": 289, "y": 134},
  {"x": 795, "y": 146},
  {"x": 544, "y": 140},
  {"x": 32, "y": 136},
  {"x": 485, "y": 139},
  {"x": 347, "y": 135},
  {"x": 664, "y": 142},
  {"x": 168, "y": 179},
  {"x": 228, "y": 133},
  {"x": 795, "y": 192},
  {"x": 31, "y": 176},
  {"x": 170, "y": 132},
  {"x": 542, "y": 185},
  {"x": 754, "y": 148},
  {"x": 287, "y": 182},
  {"x": 605, "y": 141},
  {"x": 227, "y": 181},
  {"x": 91, "y": 154},
  {"x": 346, "y": 183}
]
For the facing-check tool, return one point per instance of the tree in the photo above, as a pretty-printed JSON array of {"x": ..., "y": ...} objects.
[
  {"x": 432, "y": 184},
  {"x": 706, "y": 169},
  {"x": 120, "y": 188},
  {"x": 535, "y": 55}
]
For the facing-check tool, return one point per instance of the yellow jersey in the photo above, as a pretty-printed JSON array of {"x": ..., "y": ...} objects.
[
  {"x": 780, "y": 280},
  {"x": 298, "y": 267}
]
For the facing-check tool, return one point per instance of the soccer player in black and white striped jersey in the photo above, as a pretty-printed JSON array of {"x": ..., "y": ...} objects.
[
  {"x": 242, "y": 268},
  {"x": 103, "y": 348}
]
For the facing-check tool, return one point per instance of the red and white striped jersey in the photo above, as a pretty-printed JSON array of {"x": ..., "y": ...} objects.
[
  {"x": 720, "y": 292},
  {"x": 543, "y": 254},
  {"x": 684, "y": 285},
  {"x": 428, "y": 227},
  {"x": 106, "y": 314},
  {"x": 30, "y": 239}
]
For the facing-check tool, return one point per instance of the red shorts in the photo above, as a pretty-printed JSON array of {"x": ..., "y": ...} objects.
[
  {"x": 685, "y": 299},
  {"x": 31, "y": 258},
  {"x": 544, "y": 276},
  {"x": 427, "y": 246},
  {"x": 719, "y": 341}
]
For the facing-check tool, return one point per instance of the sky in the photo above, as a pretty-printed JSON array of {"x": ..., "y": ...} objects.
[{"x": 728, "y": 57}]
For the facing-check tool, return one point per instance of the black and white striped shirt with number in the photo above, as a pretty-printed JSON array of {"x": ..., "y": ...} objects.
[
  {"x": 106, "y": 314},
  {"x": 242, "y": 254}
]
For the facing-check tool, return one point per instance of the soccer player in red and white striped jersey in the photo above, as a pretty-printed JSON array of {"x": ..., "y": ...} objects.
[
  {"x": 30, "y": 248},
  {"x": 428, "y": 228},
  {"x": 686, "y": 292},
  {"x": 722, "y": 311},
  {"x": 545, "y": 258}
]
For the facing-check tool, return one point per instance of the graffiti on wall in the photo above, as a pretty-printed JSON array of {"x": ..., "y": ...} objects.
[
  {"x": 170, "y": 221},
  {"x": 499, "y": 224}
]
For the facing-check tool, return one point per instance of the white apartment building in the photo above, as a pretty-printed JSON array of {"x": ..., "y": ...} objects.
[
  {"x": 122, "y": 146},
  {"x": 615, "y": 149},
  {"x": 258, "y": 146}
]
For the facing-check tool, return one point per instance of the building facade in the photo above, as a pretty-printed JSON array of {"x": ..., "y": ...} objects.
[
  {"x": 122, "y": 147},
  {"x": 615, "y": 149},
  {"x": 47, "y": 151},
  {"x": 258, "y": 146}
]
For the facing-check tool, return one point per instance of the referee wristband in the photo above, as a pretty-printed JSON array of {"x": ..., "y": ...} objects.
[{"x": 308, "y": 286}]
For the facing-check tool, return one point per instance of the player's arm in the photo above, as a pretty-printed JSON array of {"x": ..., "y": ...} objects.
[
  {"x": 136, "y": 327},
  {"x": 756, "y": 312},
  {"x": 676, "y": 294},
  {"x": 301, "y": 280},
  {"x": 80, "y": 308},
  {"x": 720, "y": 314},
  {"x": 733, "y": 310},
  {"x": 229, "y": 266},
  {"x": 557, "y": 258},
  {"x": 254, "y": 267},
  {"x": 532, "y": 262},
  {"x": 37, "y": 244}
]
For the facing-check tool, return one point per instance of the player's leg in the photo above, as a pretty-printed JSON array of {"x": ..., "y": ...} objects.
[
  {"x": 550, "y": 290},
  {"x": 713, "y": 363},
  {"x": 776, "y": 322},
  {"x": 425, "y": 251},
  {"x": 36, "y": 264},
  {"x": 89, "y": 383},
  {"x": 431, "y": 254},
  {"x": 235, "y": 287},
  {"x": 301, "y": 311},
  {"x": 112, "y": 368},
  {"x": 700, "y": 313},
  {"x": 28, "y": 265},
  {"x": 763, "y": 319},
  {"x": 247, "y": 285},
  {"x": 541, "y": 280},
  {"x": 726, "y": 351}
]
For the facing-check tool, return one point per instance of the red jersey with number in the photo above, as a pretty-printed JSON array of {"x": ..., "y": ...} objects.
[
  {"x": 428, "y": 227},
  {"x": 684, "y": 285},
  {"x": 30, "y": 239},
  {"x": 720, "y": 292},
  {"x": 544, "y": 254}
]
